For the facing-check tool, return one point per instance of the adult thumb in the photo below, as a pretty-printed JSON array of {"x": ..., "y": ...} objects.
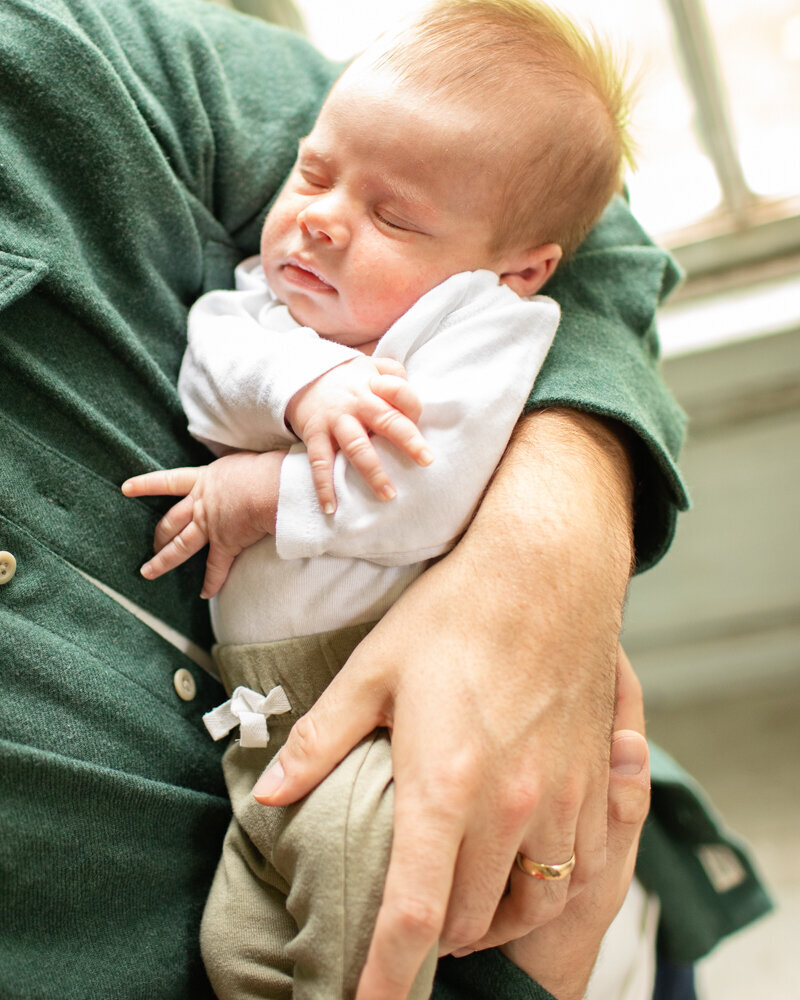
[{"x": 345, "y": 713}]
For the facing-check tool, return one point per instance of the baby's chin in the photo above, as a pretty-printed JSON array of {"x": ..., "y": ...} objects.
[{"x": 326, "y": 326}]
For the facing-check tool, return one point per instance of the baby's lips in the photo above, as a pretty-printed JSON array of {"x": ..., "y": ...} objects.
[{"x": 301, "y": 276}]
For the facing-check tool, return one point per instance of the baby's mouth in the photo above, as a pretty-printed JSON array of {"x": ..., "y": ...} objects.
[{"x": 298, "y": 274}]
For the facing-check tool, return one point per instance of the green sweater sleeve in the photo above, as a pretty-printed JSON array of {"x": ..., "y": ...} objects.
[{"x": 605, "y": 360}]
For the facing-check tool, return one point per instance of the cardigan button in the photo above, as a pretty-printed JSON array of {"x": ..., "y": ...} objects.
[
  {"x": 8, "y": 567},
  {"x": 185, "y": 684}
]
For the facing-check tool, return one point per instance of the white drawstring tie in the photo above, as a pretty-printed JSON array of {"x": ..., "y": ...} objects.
[{"x": 249, "y": 710}]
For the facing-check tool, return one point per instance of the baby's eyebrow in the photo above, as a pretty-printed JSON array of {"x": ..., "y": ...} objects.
[
  {"x": 308, "y": 153},
  {"x": 410, "y": 194}
]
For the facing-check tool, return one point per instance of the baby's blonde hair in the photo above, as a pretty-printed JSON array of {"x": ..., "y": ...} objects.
[{"x": 564, "y": 158}]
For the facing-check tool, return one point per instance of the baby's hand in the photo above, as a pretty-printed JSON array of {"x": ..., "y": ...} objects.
[
  {"x": 227, "y": 505},
  {"x": 342, "y": 408}
]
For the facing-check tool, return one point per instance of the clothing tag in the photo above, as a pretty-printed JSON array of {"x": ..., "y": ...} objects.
[{"x": 722, "y": 866}]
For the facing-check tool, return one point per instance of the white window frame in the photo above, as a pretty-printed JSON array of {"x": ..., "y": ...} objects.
[{"x": 747, "y": 228}]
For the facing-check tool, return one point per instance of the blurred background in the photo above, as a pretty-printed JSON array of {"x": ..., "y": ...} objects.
[{"x": 714, "y": 631}]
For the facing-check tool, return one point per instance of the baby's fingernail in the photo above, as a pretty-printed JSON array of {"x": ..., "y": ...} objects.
[
  {"x": 270, "y": 781},
  {"x": 425, "y": 456},
  {"x": 328, "y": 508},
  {"x": 388, "y": 493},
  {"x": 628, "y": 755},
  {"x": 147, "y": 571},
  {"x": 125, "y": 486},
  {"x": 204, "y": 595}
]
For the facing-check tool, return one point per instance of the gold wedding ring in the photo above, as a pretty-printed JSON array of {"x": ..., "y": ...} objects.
[{"x": 547, "y": 873}]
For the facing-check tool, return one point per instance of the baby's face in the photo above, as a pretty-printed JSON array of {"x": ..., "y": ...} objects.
[{"x": 389, "y": 196}]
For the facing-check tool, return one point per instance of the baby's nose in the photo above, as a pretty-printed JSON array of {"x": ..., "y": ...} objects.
[{"x": 322, "y": 220}]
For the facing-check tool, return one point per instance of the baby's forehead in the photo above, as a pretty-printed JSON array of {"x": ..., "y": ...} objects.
[{"x": 483, "y": 121}]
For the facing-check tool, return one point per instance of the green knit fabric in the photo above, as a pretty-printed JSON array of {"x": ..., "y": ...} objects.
[
  {"x": 141, "y": 145},
  {"x": 141, "y": 142},
  {"x": 487, "y": 975},
  {"x": 701, "y": 902}
]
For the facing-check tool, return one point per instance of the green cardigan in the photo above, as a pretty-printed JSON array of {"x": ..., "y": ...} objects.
[{"x": 140, "y": 144}]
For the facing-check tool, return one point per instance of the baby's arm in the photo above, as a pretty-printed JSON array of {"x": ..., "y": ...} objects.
[
  {"x": 340, "y": 409},
  {"x": 228, "y": 505},
  {"x": 474, "y": 366},
  {"x": 472, "y": 350},
  {"x": 251, "y": 375}
]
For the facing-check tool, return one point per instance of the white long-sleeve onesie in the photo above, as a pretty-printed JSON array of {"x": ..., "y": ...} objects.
[{"x": 471, "y": 349}]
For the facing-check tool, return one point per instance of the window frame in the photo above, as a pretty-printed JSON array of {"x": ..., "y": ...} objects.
[{"x": 746, "y": 228}]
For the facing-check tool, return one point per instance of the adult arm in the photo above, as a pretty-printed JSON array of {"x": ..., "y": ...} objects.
[
  {"x": 508, "y": 644},
  {"x": 211, "y": 108},
  {"x": 204, "y": 120},
  {"x": 495, "y": 673}
]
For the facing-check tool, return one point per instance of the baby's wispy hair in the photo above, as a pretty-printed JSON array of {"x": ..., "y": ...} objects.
[{"x": 562, "y": 91}]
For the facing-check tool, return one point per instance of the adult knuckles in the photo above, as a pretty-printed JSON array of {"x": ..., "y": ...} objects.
[
  {"x": 520, "y": 802},
  {"x": 564, "y": 802},
  {"x": 629, "y": 806},
  {"x": 453, "y": 781},
  {"x": 416, "y": 918},
  {"x": 533, "y": 909},
  {"x": 464, "y": 930},
  {"x": 589, "y": 867},
  {"x": 303, "y": 744},
  {"x": 547, "y": 909}
]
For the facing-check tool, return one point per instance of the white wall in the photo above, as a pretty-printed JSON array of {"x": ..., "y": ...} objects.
[{"x": 723, "y": 609}]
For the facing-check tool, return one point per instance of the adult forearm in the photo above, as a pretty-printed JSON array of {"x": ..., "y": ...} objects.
[
  {"x": 544, "y": 568},
  {"x": 555, "y": 528},
  {"x": 558, "y": 514},
  {"x": 495, "y": 674}
]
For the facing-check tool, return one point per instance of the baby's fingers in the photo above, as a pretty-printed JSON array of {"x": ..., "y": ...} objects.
[
  {"x": 181, "y": 548},
  {"x": 357, "y": 447},
  {"x": 388, "y": 366},
  {"x": 397, "y": 393},
  {"x": 162, "y": 482},
  {"x": 173, "y": 523},
  {"x": 397, "y": 429},
  {"x": 320, "y": 457},
  {"x": 217, "y": 568}
]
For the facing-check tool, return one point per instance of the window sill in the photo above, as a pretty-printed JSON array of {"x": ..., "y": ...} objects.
[{"x": 741, "y": 305}]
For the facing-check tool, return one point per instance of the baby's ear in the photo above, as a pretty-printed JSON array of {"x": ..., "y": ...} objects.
[{"x": 526, "y": 271}]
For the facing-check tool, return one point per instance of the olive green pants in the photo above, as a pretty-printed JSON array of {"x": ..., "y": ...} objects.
[{"x": 297, "y": 890}]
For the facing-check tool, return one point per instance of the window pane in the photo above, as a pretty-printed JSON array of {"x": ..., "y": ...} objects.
[{"x": 759, "y": 52}]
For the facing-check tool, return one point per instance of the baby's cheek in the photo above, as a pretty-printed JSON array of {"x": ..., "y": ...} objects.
[{"x": 389, "y": 293}]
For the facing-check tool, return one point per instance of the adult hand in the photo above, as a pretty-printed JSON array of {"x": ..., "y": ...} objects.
[
  {"x": 561, "y": 955},
  {"x": 495, "y": 673}
]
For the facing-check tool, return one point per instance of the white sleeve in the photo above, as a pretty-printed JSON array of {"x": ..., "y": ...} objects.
[
  {"x": 245, "y": 359},
  {"x": 472, "y": 350}
]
